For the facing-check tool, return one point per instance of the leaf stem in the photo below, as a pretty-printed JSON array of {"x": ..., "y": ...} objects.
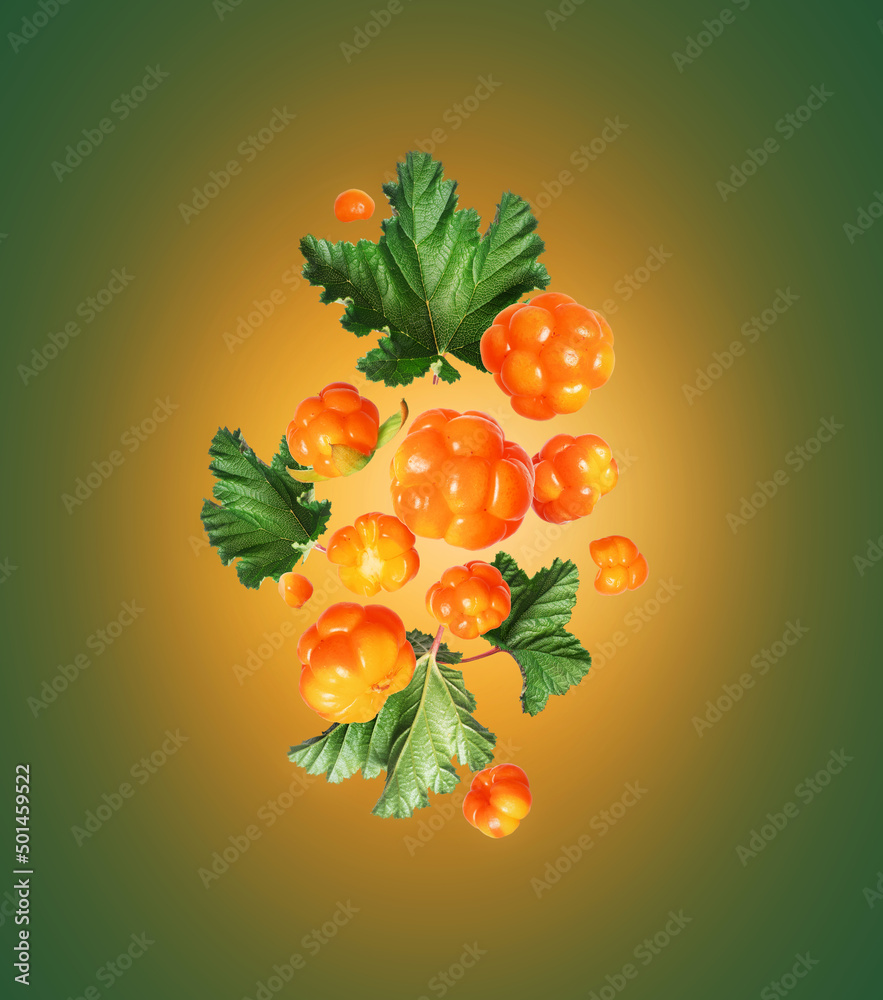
[
  {"x": 436, "y": 642},
  {"x": 481, "y": 656},
  {"x": 320, "y": 548}
]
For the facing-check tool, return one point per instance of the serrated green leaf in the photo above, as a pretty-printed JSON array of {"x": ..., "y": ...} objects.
[
  {"x": 445, "y": 372},
  {"x": 421, "y": 643},
  {"x": 413, "y": 738},
  {"x": 338, "y": 753},
  {"x": 431, "y": 282},
  {"x": 347, "y": 747},
  {"x": 398, "y": 364},
  {"x": 264, "y": 518},
  {"x": 435, "y": 724},
  {"x": 551, "y": 659}
]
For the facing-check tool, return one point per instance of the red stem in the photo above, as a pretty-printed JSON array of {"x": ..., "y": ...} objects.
[
  {"x": 481, "y": 656},
  {"x": 320, "y": 548},
  {"x": 436, "y": 642}
]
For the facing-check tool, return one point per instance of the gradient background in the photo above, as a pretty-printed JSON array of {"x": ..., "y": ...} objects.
[{"x": 139, "y": 536}]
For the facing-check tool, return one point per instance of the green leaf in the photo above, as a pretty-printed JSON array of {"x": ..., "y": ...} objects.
[
  {"x": 392, "y": 425},
  {"x": 338, "y": 753},
  {"x": 445, "y": 372},
  {"x": 393, "y": 364},
  {"x": 263, "y": 518},
  {"x": 550, "y": 658},
  {"x": 413, "y": 738},
  {"x": 344, "y": 749},
  {"x": 433, "y": 724},
  {"x": 421, "y": 643},
  {"x": 431, "y": 283}
]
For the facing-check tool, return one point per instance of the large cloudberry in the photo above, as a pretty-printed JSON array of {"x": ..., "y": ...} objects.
[
  {"x": 456, "y": 477},
  {"x": 353, "y": 659}
]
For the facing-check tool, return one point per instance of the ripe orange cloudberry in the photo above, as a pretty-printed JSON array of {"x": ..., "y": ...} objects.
[
  {"x": 470, "y": 600},
  {"x": 498, "y": 800},
  {"x": 548, "y": 354},
  {"x": 353, "y": 659},
  {"x": 376, "y": 552},
  {"x": 572, "y": 474},
  {"x": 622, "y": 567},
  {"x": 456, "y": 477},
  {"x": 295, "y": 589},
  {"x": 337, "y": 416}
]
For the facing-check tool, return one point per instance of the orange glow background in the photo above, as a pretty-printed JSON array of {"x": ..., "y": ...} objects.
[{"x": 683, "y": 469}]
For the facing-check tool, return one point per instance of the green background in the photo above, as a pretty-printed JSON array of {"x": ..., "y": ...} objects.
[{"x": 685, "y": 466}]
